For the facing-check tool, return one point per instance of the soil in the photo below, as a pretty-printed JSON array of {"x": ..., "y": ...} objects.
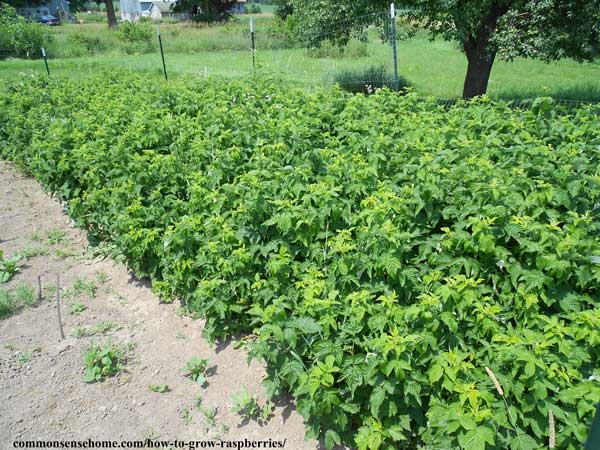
[{"x": 42, "y": 392}]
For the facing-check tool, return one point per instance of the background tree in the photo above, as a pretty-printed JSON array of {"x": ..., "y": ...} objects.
[
  {"x": 544, "y": 29},
  {"x": 206, "y": 10},
  {"x": 283, "y": 8},
  {"x": 110, "y": 13}
]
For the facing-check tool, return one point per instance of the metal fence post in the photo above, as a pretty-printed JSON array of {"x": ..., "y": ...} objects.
[
  {"x": 393, "y": 17},
  {"x": 253, "y": 45},
  {"x": 45, "y": 60},
  {"x": 162, "y": 53}
]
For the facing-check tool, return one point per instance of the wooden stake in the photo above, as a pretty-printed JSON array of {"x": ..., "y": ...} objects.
[
  {"x": 39, "y": 299},
  {"x": 60, "y": 326}
]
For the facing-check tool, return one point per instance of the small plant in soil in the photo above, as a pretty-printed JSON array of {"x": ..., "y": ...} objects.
[
  {"x": 81, "y": 286},
  {"x": 11, "y": 301},
  {"x": 101, "y": 277},
  {"x": 104, "y": 327},
  {"x": 25, "y": 357},
  {"x": 24, "y": 294},
  {"x": 162, "y": 388},
  {"x": 31, "y": 252},
  {"x": 7, "y": 306},
  {"x": 64, "y": 253},
  {"x": 77, "y": 308},
  {"x": 196, "y": 369},
  {"x": 56, "y": 237},
  {"x": 8, "y": 267},
  {"x": 186, "y": 416},
  {"x": 36, "y": 237},
  {"x": 79, "y": 332},
  {"x": 103, "y": 361},
  {"x": 209, "y": 413},
  {"x": 248, "y": 407}
]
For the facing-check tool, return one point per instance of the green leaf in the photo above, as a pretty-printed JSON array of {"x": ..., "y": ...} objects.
[
  {"x": 331, "y": 439},
  {"x": 476, "y": 439},
  {"x": 523, "y": 442},
  {"x": 376, "y": 400},
  {"x": 435, "y": 373}
]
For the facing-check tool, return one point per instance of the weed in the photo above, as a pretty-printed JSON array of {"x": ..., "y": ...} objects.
[
  {"x": 209, "y": 415},
  {"x": 8, "y": 267},
  {"x": 186, "y": 416},
  {"x": 162, "y": 388},
  {"x": 248, "y": 407},
  {"x": 49, "y": 292},
  {"x": 64, "y": 253},
  {"x": 77, "y": 308},
  {"x": 79, "y": 332},
  {"x": 56, "y": 237},
  {"x": 196, "y": 368},
  {"x": 101, "y": 328},
  {"x": 7, "y": 306},
  {"x": 31, "y": 252},
  {"x": 10, "y": 346},
  {"x": 25, "y": 357},
  {"x": 180, "y": 335},
  {"x": 24, "y": 294},
  {"x": 35, "y": 236},
  {"x": 101, "y": 277},
  {"x": 105, "y": 327},
  {"x": 102, "y": 361},
  {"x": 81, "y": 286},
  {"x": 11, "y": 301}
]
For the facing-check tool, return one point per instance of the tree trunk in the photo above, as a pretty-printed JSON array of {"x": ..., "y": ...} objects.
[
  {"x": 110, "y": 14},
  {"x": 478, "y": 74},
  {"x": 480, "y": 53}
]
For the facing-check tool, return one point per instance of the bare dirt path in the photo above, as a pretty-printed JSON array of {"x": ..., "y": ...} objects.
[{"x": 42, "y": 392}]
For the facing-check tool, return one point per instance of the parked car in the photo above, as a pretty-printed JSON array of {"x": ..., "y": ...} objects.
[{"x": 49, "y": 20}]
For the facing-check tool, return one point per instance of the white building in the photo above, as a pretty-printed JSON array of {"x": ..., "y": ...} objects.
[{"x": 132, "y": 10}]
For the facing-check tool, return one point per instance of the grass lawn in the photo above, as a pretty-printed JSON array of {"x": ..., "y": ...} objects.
[{"x": 434, "y": 68}]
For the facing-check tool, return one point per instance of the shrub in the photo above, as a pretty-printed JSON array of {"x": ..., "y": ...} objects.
[
  {"x": 90, "y": 43},
  {"x": 7, "y": 304},
  {"x": 253, "y": 8},
  {"x": 20, "y": 38},
  {"x": 367, "y": 81},
  {"x": 415, "y": 276},
  {"x": 135, "y": 32}
]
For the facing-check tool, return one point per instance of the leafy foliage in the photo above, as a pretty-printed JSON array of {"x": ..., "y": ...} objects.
[
  {"x": 547, "y": 30},
  {"x": 8, "y": 267},
  {"x": 196, "y": 369},
  {"x": 102, "y": 361},
  {"x": 20, "y": 38},
  {"x": 248, "y": 407},
  {"x": 206, "y": 11},
  {"x": 383, "y": 250}
]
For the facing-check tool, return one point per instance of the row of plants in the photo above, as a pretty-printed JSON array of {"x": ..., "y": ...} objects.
[{"x": 413, "y": 275}]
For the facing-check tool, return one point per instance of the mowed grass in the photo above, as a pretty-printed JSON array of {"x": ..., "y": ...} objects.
[{"x": 434, "y": 68}]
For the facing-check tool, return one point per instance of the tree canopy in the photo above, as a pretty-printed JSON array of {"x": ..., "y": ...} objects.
[
  {"x": 485, "y": 29},
  {"x": 206, "y": 10}
]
